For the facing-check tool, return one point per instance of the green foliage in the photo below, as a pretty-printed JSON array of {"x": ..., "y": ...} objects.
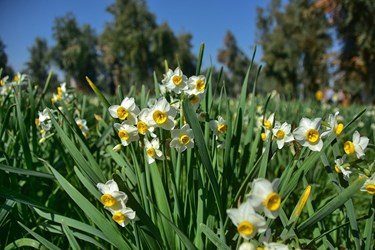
[{"x": 49, "y": 172}]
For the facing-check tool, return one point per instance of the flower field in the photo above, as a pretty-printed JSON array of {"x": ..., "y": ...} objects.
[{"x": 183, "y": 166}]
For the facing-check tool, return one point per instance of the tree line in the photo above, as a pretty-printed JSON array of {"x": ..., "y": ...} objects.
[{"x": 306, "y": 46}]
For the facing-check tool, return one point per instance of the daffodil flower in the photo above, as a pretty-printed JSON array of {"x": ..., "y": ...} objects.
[
  {"x": 143, "y": 124},
  {"x": 333, "y": 125},
  {"x": 123, "y": 216},
  {"x": 247, "y": 246},
  {"x": 264, "y": 197},
  {"x": 19, "y": 79},
  {"x": 357, "y": 146},
  {"x": 274, "y": 246},
  {"x": 175, "y": 81},
  {"x": 127, "y": 110},
  {"x": 196, "y": 84},
  {"x": 247, "y": 221},
  {"x": 152, "y": 150},
  {"x": 195, "y": 100},
  {"x": 162, "y": 115},
  {"x": 369, "y": 185},
  {"x": 127, "y": 133},
  {"x": 340, "y": 168},
  {"x": 282, "y": 133},
  {"x": 182, "y": 139},
  {"x": 219, "y": 126},
  {"x": 307, "y": 134},
  {"x": 267, "y": 123},
  {"x": 113, "y": 199},
  {"x": 82, "y": 124}
]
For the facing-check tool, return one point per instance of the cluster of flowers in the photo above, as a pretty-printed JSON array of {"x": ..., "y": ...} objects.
[
  {"x": 6, "y": 84},
  {"x": 162, "y": 114},
  {"x": 262, "y": 198},
  {"x": 115, "y": 200},
  {"x": 43, "y": 121},
  {"x": 310, "y": 133}
]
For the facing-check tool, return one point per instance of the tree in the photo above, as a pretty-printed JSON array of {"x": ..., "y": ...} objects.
[
  {"x": 134, "y": 46},
  {"x": 294, "y": 42},
  {"x": 6, "y": 69},
  {"x": 354, "y": 24},
  {"x": 125, "y": 42},
  {"x": 75, "y": 51},
  {"x": 236, "y": 62},
  {"x": 38, "y": 65}
]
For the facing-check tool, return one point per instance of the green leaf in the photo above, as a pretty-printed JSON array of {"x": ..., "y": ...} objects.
[
  {"x": 6, "y": 120},
  {"x": 162, "y": 203},
  {"x": 331, "y": 206},
  {"x": 5, "y": 210},
  {"x": 26, "y": 172},
  {"x": 72, "y": 223},
  {"x": 213, "y": 237},
  {"x": 369, "y": 227},
  {"x": 201, "y": 147},
  {"x": 200, "y": 59},
  {"x": 24, "y": 133},
  {"x": 188, "y": 244},
  {"x": 14, "y": 195},
  {"x": 98, "y": 93},
  {"x": 95, "y": 175},
  {"x": 41, "y": 239},
  {"x": 25, "y": 242},
  {"x": 69, "y": 234}
]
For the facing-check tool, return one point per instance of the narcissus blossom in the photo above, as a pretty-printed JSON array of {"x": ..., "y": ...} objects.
[
  {"x": 82, "y": 124},
  {"x": 112, "y": 197},
  {"x": 307, "y": 134},
  {"x": 219, "y": 126},
  {"x": 152, "y": 150},
  {"x": 333, "y": 125},
  {"x": 264, "y": 197},
  {"x": 127, "y": 110},
  {"x": 282, "y": 134},
  {"x": 182, "y": 139},
  {"x": 143, "y": 124},
  {"x": 196, "y": 85},
  {"x": 162, "y": 115},
  {"x": 275, "y": 246},
  {"x": 341, "y": 168},
  {"x": 357, "y": 146},
  {"x": 115, "y": 200},
  {"x": 127, "y": 133},
  {"x": 247, "y": 221},
  {"x": 369, "y": 185},
  {"x": 123, "y": 216},
  {"x": 175, "y": 81}
]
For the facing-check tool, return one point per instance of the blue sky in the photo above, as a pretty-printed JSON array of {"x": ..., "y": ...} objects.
[{"x": 207, "y": 20}]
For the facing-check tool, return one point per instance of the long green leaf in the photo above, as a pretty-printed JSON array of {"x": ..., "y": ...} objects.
[
  {"x": 25, "y": 242},
  {"x": 23, "y": 132},
  {"x": 95, "y": 175},
  {"x": 26, "y": 172},
  {"x": 72, "y": 223},
  {"x": 69, "y": 234},
  {"x": 40, "y": 238},
  {"x": 213, "y": 237},
  {"x": 204, "y": 156},
  {"x": 331, "y": 206},
  {"x": 98, "y": 93}
]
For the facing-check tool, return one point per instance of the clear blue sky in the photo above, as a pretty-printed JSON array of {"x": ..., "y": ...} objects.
[{"x": 207, "y": 20}]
